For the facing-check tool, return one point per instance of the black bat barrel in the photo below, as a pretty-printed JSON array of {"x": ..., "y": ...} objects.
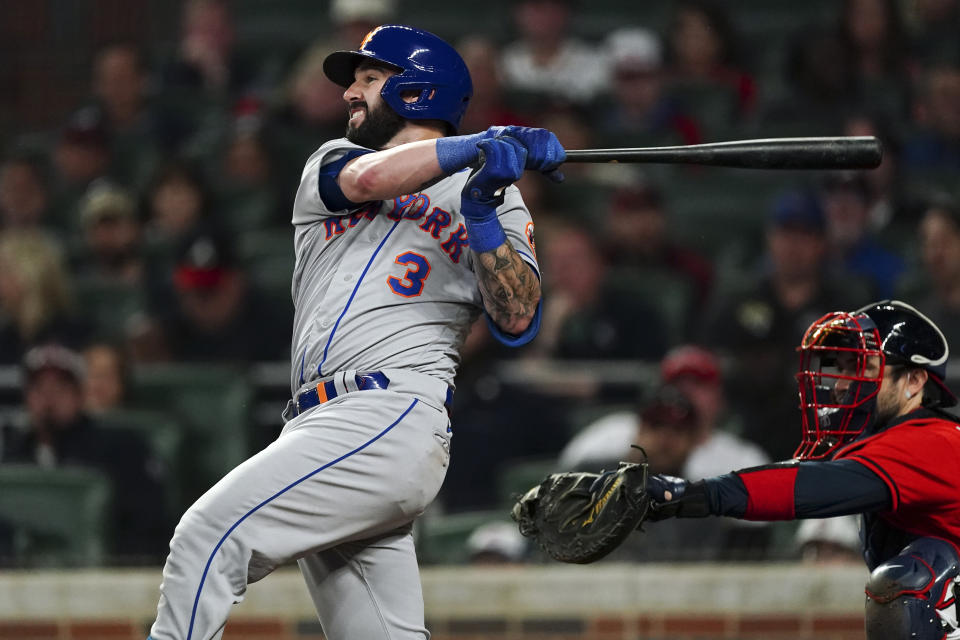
[{"x": 842, "y": 152}]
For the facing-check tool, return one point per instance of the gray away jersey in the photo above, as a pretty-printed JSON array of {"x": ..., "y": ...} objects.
[{"x": 389, "y": 284}]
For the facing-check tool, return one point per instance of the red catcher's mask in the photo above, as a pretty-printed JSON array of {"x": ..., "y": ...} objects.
[{"x": 838, "y": 382}]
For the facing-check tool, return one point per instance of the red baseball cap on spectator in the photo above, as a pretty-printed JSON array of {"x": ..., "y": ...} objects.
[{"x": 690, "y": 360}]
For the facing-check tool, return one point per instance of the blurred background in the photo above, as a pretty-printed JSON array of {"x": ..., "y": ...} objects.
[{"x": 151, "y": 150}]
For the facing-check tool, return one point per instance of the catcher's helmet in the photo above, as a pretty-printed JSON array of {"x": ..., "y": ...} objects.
[
  {"x": 838, "y": 381},
  {"x": 908, "y": 337},
  {"x": 425, "y": 64}
]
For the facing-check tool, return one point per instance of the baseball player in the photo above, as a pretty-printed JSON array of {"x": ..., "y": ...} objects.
[
  {"x": 399, "y": 247},
  {"x": 875, "y": 442}
]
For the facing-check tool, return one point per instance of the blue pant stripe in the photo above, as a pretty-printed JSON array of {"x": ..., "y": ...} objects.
[{"x": 206, "y": 569}]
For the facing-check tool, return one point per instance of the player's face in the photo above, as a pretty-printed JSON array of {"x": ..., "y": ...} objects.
[
  {"x": 372, "y": 124},
  {"x": 847, "y": 365}
]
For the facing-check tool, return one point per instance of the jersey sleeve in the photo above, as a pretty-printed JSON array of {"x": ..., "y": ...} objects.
[
  {"x": 319, "y": 196},
  {"x": 518, "y": 226}
]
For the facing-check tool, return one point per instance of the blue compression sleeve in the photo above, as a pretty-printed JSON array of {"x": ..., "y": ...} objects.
[{"x": 330, "y": 192}]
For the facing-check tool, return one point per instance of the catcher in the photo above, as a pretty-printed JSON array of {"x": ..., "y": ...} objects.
[{"x": 876, "y": 442}]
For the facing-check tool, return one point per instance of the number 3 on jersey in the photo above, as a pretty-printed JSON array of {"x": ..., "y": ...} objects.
[{"x": 411, "y": 284}]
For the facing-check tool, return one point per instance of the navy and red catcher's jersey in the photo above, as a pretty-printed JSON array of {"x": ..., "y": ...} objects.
[{"x": 919, "y": 461}]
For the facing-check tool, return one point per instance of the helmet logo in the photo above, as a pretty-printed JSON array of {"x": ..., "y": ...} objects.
[{"x": 367, "y": 37}]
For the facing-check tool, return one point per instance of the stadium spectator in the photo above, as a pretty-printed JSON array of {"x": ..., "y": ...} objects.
[
  {"x": 846, "y": 202},
  {"x": 884, "y": 184},
  {"x": 546, "y": 61},
  {"x": 135, "y": 130},
  {"x": 309, "y": 112},
  {"x": 829, "y": 541},
  {"x": 873, "y": 35},
  {"x": 35, "y": 300},
  {"x": 59, "y": 432},
  {"x": 637, "y": 239},
  {"x": 703, "y": 54},
  {"x": 488, "y": 103},
  {"x": 758, "y": 325},
  {"x": 585, "y": 315},
  {"x": 206, "y": 61},
  {"x": 819, "y": 85},
  {"x": 24, "y": 199},
  {"x": 934, "y": 28},
  {"x": 353, "y": 19},
  {"x": 82, "y": 155},
  {"x": 245, "y": 179},
  {"x": 939, "y": 239},
  {"x": 111, "y": 237},
  {"x": 107, "y": 377},
  {"x": 695, "y": 373},
  {"x": 641, "y": 113},
  {"x": 667, "y": 430},
  {"x": 177, "y": 201},
  {"x": 936, "y": 142},
  {"x": 216, "y": 314},
  {"x": 496, "y": 543}
]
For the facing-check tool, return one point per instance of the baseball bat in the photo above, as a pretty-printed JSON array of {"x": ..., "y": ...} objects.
[{"x": 840, "y": 152}]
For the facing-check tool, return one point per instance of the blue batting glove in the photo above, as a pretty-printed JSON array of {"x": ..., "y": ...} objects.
[
  {"x": 456, "y": 152},
  {"x": 544, "y": 151},
  {"x": 502, "y": 163}
]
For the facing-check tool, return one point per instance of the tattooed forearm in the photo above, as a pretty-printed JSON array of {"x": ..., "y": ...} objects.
[{"x": 509, "y": 288}]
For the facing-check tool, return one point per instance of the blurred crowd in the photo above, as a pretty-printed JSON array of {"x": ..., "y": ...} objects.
[{"x": 152, "y": 227}]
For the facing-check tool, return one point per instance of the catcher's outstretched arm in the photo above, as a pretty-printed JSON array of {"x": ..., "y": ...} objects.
[{"x": 778, "y": 492}]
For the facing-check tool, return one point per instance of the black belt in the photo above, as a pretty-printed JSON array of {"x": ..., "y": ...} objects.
[{"x": 325, "y": 391}]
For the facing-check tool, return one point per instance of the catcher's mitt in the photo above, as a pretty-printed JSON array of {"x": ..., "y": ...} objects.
[{"x": 581, "y": 517}]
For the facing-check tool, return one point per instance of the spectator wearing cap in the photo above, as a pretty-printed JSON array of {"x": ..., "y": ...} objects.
[
  {"x": 111, "y": 237},
  {"x": 546, "y": 61},
  {"x": 935, "y": 142},
  {"x": 846, "y": 203},
  {"x": 666, "y": 425},
  {"x": 215, "y": 313},
  {"x": 696, "y": 372},
  {"x": 177, "y": 202},
  {"x": 756, "y": 325},
  {"x": 35, "y": 296},
  {"x": 82, "y": 155},
  {"x": 496, "y": 543},
  {"x": 640, "y": 112},
  {"x": 824, "y": 541},
  {"x": 59, "y": 433}
]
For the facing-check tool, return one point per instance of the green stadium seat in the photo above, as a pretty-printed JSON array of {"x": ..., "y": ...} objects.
[
  {"x": 269, "y": 260},
  {"x": 59, "y": 517},
  {"x": 671, "y": 295},
  {"x": 443, "y": 539},
  {"x": 213, "y": 403}
]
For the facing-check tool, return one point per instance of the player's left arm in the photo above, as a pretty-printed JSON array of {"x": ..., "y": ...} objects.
[
  {"x": 509, "y": 287},
  {"x": 782, "y": 491}
]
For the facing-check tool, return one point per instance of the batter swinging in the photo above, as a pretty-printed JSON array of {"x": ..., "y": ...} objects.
[{"x": 398, "y": 249}]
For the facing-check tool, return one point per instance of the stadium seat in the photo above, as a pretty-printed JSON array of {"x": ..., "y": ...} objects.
[
  {"x": 671, "y": 295},
  {"x": 268, "y": 258},
  {"x": 58, "y": 517},
  {"x": 213, "y": 403}
]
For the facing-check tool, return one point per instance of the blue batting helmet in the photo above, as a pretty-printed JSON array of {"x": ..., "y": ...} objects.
[{"x": 426, "y": 66}]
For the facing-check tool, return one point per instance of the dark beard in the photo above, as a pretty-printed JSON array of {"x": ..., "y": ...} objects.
[{"x": 379, "y": 126}]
